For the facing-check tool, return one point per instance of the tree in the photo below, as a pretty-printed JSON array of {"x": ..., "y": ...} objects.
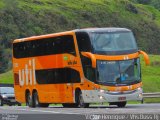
[{"x": 3, "y": 60}]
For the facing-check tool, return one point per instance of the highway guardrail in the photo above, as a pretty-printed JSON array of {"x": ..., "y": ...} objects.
[{"x": 151, "y": 95}]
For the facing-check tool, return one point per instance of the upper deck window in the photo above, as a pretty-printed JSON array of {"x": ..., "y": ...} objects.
[
  {"x": 46, "y": 46},
  {"x": 84, "y": 43},
  {"x": 113, "y": 42}
]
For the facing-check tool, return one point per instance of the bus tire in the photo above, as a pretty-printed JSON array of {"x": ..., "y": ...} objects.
[
  {"x": 121, "y": 104},
  {"x": 65, "y": 105},
  {"x": 29, "y": 100},
  {"x": 35, "y": 100},
  {"x": 80, "y": 101}
]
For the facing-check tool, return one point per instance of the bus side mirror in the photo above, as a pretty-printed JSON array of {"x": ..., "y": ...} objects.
[
  {"x": 91, "y": 56},
  {"x": 146, "y": 57}
]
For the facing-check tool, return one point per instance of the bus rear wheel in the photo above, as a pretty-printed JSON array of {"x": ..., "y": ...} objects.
[
  {"x": 36, "y": 102},
  {"x": 28, "y": 99},
  {"x": 119, "y": 104}
]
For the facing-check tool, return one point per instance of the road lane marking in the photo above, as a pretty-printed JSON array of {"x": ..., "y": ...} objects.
[{"x": 43, "y": 111}]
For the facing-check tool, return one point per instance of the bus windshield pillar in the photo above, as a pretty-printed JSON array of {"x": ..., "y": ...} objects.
[{"x": 91, "y": 56}]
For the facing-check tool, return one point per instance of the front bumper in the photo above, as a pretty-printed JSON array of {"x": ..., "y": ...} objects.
[{"x": 95, "y": 96}]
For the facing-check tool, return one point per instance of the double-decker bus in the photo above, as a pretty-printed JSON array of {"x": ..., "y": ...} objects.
[{"x": 78, "y": 67}]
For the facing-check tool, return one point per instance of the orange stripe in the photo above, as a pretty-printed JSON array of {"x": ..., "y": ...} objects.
[
  {"x": 120, "y": 57},
  {"x": 121, "y": 88}
]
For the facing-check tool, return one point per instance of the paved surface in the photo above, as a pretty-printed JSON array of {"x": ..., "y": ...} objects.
[{"x": 58, "y": 112}]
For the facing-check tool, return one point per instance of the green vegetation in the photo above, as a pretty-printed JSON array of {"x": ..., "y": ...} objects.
[
  {"x": 151, "y": 77},
  {"x": 154, "y": 3},
  {"x": 23, "y": 18},
  {"x": 6, "y": 77}
]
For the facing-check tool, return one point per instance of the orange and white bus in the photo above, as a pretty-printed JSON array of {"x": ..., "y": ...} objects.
[{"x": 79, "y": 67}]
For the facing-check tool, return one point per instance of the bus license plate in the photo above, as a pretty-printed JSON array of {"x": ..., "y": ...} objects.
[{"x": 121, "y": 98}]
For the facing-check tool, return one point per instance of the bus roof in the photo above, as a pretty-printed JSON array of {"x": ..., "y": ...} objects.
[
  {"x": 42, "y": 36},
  {"x": 109, "y": 29}
]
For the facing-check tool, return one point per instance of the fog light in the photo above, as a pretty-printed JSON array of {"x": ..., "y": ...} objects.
[{"x": 102, "y": 98}]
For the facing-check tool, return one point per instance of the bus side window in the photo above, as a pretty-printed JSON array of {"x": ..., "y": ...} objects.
[
  {"x": 83, "y": 42},
  {"x": 89, "y": 72},
  {"x": 57, "y": 76},
  {"x": 69, "y": 46},
  {"x": 46, "y": 46},
  {"x": 64, "y": 44}
]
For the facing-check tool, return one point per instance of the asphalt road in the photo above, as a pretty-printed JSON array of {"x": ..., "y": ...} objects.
[{"x": 60, "y": 113}]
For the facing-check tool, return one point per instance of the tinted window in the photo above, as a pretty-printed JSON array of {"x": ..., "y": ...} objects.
[
  {"x": 113, "y": 42},
  {"x": 118, "y": 72},
  {"x": 47, "y": 46},
  {"x": 83, "y": 41},
  {"x": 89, "y": 72},
  {"x": 84, "y": 45},
  {"x": 55, "y": 76}
]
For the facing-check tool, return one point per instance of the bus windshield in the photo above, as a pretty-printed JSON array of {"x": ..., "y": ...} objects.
[
  {"x": 113, "y": 42},
  {"x": 118, "y": 72}
]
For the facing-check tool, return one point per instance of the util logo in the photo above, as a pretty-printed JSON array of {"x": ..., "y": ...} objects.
[{"x": 27, "y": 75}]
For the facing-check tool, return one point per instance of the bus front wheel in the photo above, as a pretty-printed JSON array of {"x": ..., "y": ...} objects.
[
  {"x": 121, "y": 104},
  {"x": 80, "y": 101}
]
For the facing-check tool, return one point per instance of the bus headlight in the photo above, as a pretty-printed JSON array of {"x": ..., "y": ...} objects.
[
  {"x": 101, "y": 91},
  {"x": 139, "y": 89}
]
